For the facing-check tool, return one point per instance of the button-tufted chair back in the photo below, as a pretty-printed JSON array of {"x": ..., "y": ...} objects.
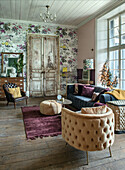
[{"x": 88, "y": 132}]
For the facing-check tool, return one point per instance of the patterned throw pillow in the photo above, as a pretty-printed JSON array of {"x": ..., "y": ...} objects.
[
  {"x": 87, "y": 91},
  {"x": 76, "y": 89},
  {"x": 15, "y": 92},
  {"x": 94, "y": 110},
  {"x": 94, "y": 96}
]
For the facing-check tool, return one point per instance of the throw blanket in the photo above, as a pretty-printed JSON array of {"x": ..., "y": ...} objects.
[{"x": 118, "y": 94}]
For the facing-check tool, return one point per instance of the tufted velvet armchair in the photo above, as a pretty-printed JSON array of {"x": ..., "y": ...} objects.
[
  {"x": 88, "y": 132},
  {"x": 10, "y": 97}
]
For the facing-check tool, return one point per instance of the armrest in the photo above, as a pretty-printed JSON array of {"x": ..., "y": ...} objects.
[
  {"x": 104, "y": 98},
  {"x": 9, "y": 96},
  {"x": 70, "y": 89}
]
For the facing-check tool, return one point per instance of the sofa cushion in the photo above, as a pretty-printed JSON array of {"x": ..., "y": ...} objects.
[
  {"x": 80, "y": 87},
  {"x": 100, "y": 89},
  {"x": 76, "y": 88},
  {"x": 83, "y": 98},
  {"x": 94, "y": 96},
  {"x": 87, "y": 91},
  {"x": 101, "y": 92},
  {"x": 94, "y": 110},
  {"x": 98, "y": 104}
]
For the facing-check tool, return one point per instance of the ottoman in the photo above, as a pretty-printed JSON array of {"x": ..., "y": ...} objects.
[{"x": 50, "y": 107}]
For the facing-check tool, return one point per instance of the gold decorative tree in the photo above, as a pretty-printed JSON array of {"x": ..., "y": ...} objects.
[{"x": 106, "y": 76}]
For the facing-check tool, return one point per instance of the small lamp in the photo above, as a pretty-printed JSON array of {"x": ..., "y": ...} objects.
[{"x": 88, "y": 64}]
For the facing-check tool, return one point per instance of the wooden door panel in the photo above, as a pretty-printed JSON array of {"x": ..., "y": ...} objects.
[
  {"x": 36, "y": 88},
  {"x": 43, "y": 65},
  {"x": 50, "y": 65},
  {"x": 36, "y": 66},
  {"x": 50, "y": 89},
  {"x": 36, "y": 54}
]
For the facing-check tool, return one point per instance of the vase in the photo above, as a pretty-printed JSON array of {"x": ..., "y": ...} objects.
[{"x": 20, "y": 74}]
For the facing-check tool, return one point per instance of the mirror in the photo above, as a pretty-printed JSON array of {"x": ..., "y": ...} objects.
[{"x": 9, "y": 64}]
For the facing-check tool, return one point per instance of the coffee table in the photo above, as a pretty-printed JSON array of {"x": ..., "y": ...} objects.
[{"x": 65, "y": 102}]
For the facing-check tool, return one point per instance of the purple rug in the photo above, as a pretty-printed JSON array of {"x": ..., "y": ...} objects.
[{"x": 39, "y": 125}]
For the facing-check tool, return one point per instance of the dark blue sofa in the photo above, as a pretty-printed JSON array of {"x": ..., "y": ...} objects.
[{"x": 79, "y": 101}]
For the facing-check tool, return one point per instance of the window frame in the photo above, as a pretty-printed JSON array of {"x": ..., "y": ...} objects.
[{"x": 118, "y": 47}]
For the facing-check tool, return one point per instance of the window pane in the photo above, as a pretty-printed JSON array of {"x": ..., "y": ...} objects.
[
  {"x": 122, "y": 29},
  {"x": 113, "y": 55},
  {"x": 123, "y": 18},
  {"x": 122, "y": 64},
  {"x": 114, "y": 32},
  {"x": 123, "y": 39},
  {"x": 122, "y": 74},
  {"x": 116, "y": 73},
  {"x": 123, "y": 85},
  {"x": 113, "y": 23},
  {"x": 114, "y": 41},
  {"x": 111, "y": 64},
  {"x": 123, "y": 54},
  {"x": 116, "y": 64}
]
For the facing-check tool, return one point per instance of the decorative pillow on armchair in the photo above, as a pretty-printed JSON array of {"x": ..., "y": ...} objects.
[
  {"x": 87, "y": 91},
  {"x": 15, "y": 92},
  {"x": 94, "y": 110}
]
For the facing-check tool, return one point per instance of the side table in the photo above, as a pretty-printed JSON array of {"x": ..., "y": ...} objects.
[
  {"x": 118, "y": 107},
  {"x": 65, "y": 102}
]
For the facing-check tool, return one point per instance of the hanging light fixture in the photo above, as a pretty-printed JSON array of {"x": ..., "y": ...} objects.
[{"x": 47, "y": 17}]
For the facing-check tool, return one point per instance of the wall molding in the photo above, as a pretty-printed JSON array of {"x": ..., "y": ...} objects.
[{"x": 34, "y": 22}]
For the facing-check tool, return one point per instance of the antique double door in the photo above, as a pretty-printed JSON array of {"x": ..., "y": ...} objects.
[{"x": 43, "y": 77}]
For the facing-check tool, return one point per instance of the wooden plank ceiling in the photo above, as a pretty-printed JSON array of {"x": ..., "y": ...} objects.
[{"x": 69, "y": 12}]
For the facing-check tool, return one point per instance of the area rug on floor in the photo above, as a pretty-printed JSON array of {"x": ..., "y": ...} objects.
[{"x": 38, "y": 125}]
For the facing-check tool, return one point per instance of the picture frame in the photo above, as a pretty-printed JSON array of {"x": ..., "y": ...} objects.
[{"x": 7, "y": 61}]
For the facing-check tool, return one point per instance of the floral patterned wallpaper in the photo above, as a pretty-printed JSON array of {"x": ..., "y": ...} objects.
[{"x": 13, "y": 39}]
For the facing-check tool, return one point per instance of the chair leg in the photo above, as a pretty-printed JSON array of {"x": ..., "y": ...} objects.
[
  {"x": 110, "y": 151},
  {"x": 26, "y": 101},
  {"x": 14, "y": 105},
  {"x": 66, "y": 144},
  {"x": 87, "y": 157}
]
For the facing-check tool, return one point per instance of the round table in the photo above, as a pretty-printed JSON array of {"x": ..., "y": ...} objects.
[{"x": 65, "y": 102}]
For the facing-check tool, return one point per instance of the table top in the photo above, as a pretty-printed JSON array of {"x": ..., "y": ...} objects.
[
  {"x": 117, "y": 102},
  {"x": 66, "y": 101}
]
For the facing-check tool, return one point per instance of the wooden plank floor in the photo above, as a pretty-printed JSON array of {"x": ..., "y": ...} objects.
[{"x": 50, "y": 152}]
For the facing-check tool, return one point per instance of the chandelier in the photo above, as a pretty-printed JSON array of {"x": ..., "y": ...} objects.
[{"x": 47, "y": 17}]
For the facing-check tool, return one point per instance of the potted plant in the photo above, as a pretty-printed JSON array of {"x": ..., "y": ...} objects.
[{"x": 19, "y": 65}]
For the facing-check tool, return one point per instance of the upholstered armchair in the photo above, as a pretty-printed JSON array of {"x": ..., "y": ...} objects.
[
  {"x": 10, "y": 97},
  {"x": 88, "y": 132}
]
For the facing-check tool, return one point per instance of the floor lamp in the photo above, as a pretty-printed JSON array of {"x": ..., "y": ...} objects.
[{"x": 65, "y": 74}]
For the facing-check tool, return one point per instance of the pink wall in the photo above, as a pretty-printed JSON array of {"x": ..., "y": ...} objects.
[{"x": 86, "y": 42}]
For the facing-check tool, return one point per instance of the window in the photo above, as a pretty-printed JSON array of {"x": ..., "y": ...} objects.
[{"x": 116, "y": 48}]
